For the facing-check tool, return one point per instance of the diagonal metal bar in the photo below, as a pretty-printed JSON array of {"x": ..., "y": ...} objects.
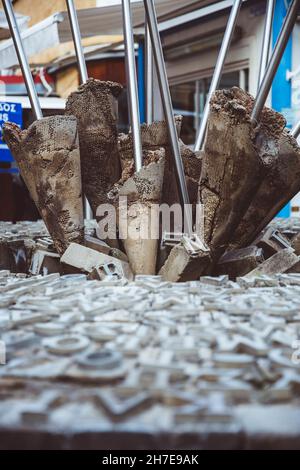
[
  {"x": 149, "y": 76},
  {"x": 168, "y": 110},
  {"x": 88, "y": 213},
  {"x": 274, "y": 62},
  {"x": 267, "y": 36},
  {"x": 16, "y": 37},
  {"x": 218, "y": 70},
  {"x": 77, "y": 40},
  {"x": 132, "y": 88}
]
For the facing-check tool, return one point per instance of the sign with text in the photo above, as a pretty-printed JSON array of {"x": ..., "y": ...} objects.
[{"x": 8, "y": 112}]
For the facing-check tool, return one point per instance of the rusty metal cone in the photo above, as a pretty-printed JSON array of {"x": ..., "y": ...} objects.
[
  {"x": 138, "y": 221},
  {"x": 47, "y": 154},
  {"x": 235, "y": 161},
  {"x": 95, "y": 106},
  {"x": 280, "y": 185}
]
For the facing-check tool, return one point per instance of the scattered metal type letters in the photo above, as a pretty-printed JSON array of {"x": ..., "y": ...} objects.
[{"x": 200, "y": 362}]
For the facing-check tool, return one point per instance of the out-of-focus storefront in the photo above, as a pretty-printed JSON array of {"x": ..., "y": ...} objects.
[{"x": 191, "y": 51}]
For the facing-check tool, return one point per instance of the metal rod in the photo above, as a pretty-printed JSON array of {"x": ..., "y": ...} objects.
[
  {"x": 218, "y": 70},
  {"x": 132, "y": 88},
  {"x": 87, "y": 210},
  {"x": 88, "y": 213},
  {"x": 274, "y": 62},
  {"x": 77, "y": 40},
  {"x": 295, "y": 132},
  {"x": 197, "y": 104},
  {"x": 16, "y": 37},
  {"x": 149, "y": 76},
  {"x": 168, "y": 110},
  {"x": 267, "y": 36},
  {"x": 242, "y": 79}
]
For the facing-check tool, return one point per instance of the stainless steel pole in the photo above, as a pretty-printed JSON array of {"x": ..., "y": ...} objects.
[
  {"x": 132, "y": 88},
  {"x": 218, "y": 70},
  {"x": 197, "y": 105},
  {"x": 88, "y": 213},
  {"x": 274, "y": 62},
  {"x": 16, "y": 37},
  {"x": 149, "y": 76},
  {"x": 266, "y": 41},
  {"x": 168, "y": 110},
  {"x": 295, "y": 132},
  {"x": 77, "y": 40}
]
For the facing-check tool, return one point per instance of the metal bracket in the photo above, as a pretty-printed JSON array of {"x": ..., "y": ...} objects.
[
  {"x": 192, "y": 243},
  {"x": 276, "y": 236},
  {"x": 171, "y": 238},
  {"x": 109, "y": 270}
]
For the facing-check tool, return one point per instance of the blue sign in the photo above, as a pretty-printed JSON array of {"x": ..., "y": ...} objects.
[{"x": 8, "y": 112}]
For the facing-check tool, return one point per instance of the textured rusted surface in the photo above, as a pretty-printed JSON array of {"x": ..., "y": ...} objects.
[
  {"x": 181, "y": 267},
  {"x": 47, "y": 154},
  {"x": 280, "y": 184},
  {"x": 139, "y": 223},
  {"x": 95, "y": 106},
  {"x": 155, "y": 136},
  {"x": 17, "y": 243},
  {"x": 279, "y": 262},
  {"x": 239, "y": 262}
]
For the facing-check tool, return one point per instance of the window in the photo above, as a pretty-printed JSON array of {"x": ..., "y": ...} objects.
[{"x": 189, "y": 101}]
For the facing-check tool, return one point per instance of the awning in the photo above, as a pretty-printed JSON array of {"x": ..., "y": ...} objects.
[
  {"x": 106, "y": 21},
  {"x": 45, "y": 102},
  {"x": 4, "y": 30},
  {"x": 35, "y": 39}
]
